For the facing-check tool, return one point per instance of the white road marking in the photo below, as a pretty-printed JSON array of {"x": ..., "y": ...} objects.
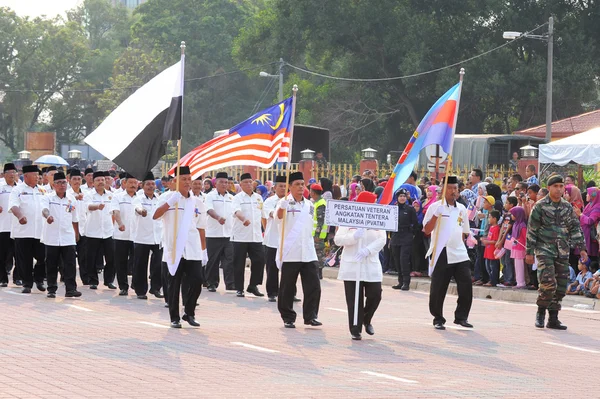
[
  {"x": 338, "y": 310},
  {"x": 258, "y": 348},
  {"x": 389, "y": 377},
  {"x": 572, "y": 347},
  {"x": 451, "y": 327},
  {"x": 154, "y": 324},
  {"x": 80, "y": 308}
]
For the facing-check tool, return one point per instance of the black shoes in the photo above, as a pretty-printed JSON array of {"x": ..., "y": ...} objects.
[
  {"x": 313, "y": 322},
  {"x": 40, "y": 287},
  {"x": 73, "y": 294},
  {"x": 3, "y": 284},
  {"x": 175, "y": 324},
  {"x": 355, "y": 333},
  {"x": 191, "y": 320},
  {"x": 26, "y": 290},
  {"x": 405, "y": 287},
  {"x": 289, "y": 324},
  {"x": 111, "y": 286},
  {"x": 157, "y": 294},
  {"x": 240, "y": 294},
  {"x": 272, "y": 299},
  {"x": 93, "y": 287},
  {"x": 51, "y": 295},
  {"x": 464, "y": 323},
  {"x": 297, "y": 299},
  {"x": 553, "y": 321},
  {"x": 397, "y": 286},
  {"x": 212, "y": 288},
  {"x": 369, "y": 329},
  {"x": 540, "y": 317},
  {"x": 254, "y": 290},
  {"x": 123, "y": 292},
  {"x": 142, "y": 297},
  {"x": 439, "y": 326},
  {"x": 19, "y": 283}
]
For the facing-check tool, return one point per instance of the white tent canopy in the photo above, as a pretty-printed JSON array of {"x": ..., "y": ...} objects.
[{"x": 582, "y": 148}]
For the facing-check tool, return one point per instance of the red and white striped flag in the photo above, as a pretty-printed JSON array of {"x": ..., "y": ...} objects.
[{"x": 261, "y": 140}]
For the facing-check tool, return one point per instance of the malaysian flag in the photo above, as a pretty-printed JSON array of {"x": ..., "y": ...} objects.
[{"x": 260, "y": 140}]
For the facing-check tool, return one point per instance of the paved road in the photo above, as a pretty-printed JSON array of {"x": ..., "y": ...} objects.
[{"x": 105, "y": 346}]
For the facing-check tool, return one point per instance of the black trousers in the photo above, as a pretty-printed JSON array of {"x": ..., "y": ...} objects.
[
  {"x": 257, "y": 263},
  {"x": 27, "y": 249},
  {"x": 81, "y": 259},
  {"x": 122, "y": 250},
  {"x": 11, "y": 260},
  {"x": 272, "y": 284},
  {"x": 95, "y": 247},
  {"x": 366, "y": 309},
  {"x": 69, "y": 271},
  {"x": 440, "y": 279},
  {"x": 403, "y": 258},
  {"x": 287, "y": 289},
  {"x": 6, "y": 244},
  {"x": 164, "y": 277},
  {"x": 220, "y": 252},
  {"x": 140, "y": 268},
  {"x": 191, "y": 271}
]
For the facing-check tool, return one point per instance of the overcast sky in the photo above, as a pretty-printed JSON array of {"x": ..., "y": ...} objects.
[{"x": 34, "y": 8}]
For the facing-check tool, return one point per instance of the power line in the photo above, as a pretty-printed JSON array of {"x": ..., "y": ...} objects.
[
  {"x": 7, "y": 90},
  {"x": 415, "y": 74}
]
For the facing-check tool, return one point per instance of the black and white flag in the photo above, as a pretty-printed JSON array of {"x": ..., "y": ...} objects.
[{"x": 135, "y": 134}]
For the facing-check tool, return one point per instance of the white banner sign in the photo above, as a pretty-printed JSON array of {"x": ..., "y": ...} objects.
[{"x": 359, "y": 214}]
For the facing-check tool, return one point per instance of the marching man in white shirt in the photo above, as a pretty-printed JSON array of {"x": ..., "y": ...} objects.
[
  {"x": 99, "y": 232},
  {"x": 297, "y": 255},
  {"x": 60, "y": 235},
  {"x": 246, "y": 236},
  {"x": 272, "y": 238},
  {"x": 24, "y": 203},
  {"x": 146, "y": 239},
  {"x": 185, "y": 258},
  {"x": 124, "y": 217},
  {"x": 76, "y": 192},
  {"x": 7, "y": 244},
  {"x": 219, "y": 207}
]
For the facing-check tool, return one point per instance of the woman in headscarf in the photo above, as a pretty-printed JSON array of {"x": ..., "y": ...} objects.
[
  {"x": 517, "y": 252},
  {"x": 208, "y": 186},
  {"x": 418, "y": 255},
  {"x": 589, "y": 220},
  {"x": 263, "y": 191},
  {"x": 573, "y": 196},
  {"x": 353, "y": 192},
  {"x": 430, "y": 197},
  {"x": 378, "y": 191}
]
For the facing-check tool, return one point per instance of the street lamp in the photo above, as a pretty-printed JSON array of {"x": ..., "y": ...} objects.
[
  {"x": 280, "y": 76},
  {"x": 549, "y": 37}
]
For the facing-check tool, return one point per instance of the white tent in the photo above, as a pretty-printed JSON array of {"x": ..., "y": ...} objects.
[{"x": 582, "y": 148}]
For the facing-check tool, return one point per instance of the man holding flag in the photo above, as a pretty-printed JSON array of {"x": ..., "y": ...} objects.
[
  {"x": 183, "y": 217},
  {"x": 448, "y": 221}
]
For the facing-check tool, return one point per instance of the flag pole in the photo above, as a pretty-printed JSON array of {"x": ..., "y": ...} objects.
[
  {"x": 288, "y": 167},
  {"x": 448, "y": 168},
  {"x": 174, "y": 249}
]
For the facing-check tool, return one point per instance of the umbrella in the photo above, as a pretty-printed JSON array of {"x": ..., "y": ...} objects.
[{"x": 51, "y": 160}]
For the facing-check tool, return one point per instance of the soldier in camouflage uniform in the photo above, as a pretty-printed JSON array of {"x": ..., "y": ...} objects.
[
  {"x": 552, "y": 231},
  {"x": 319, "y": 226}
]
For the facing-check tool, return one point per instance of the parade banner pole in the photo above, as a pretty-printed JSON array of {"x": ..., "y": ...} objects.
[
  {"x": 357, "y": 288},
  {"x": 174, "y": 249},
  {"x": 448, "y": 169},
  {"x": 288, "y": 167}
]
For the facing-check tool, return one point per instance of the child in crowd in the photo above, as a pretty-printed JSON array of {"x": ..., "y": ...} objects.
[
  {"x": 492, "y": 264},
  {"x": 584, "y": 274},
  {"x": 508, "y": 267},
  {"x": 592, "y": 285},
  {"x": 519, "y": 238}
]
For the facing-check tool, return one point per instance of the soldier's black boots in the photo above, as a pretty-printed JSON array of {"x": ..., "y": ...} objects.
[
  {"x": 553, "y": 321},
  {"x": 540, "y": 317}
]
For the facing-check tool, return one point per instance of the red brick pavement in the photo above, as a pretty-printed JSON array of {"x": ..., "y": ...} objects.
[{"x": 106, "y": 346}]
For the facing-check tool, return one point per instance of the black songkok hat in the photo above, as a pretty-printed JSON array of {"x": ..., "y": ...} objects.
[
  {"x": 122, "y": 175},
  {"x": 51, "y": 168},
  {"x": 555, "y": 179},
  {"x": 30, "y": 168},
  {"x": 99, "y": 174},
  {"x": 245, "y": 176},
  {"x": 128, "y": 176},
  {"x": 44, "y": 169},
  {"x": 88, "y": 171},
  {"x": 75, "y": 172},
  {"x": 222, "y": 175},
  {"x": 149, "y": 176},
  {"x": 279, "y": 179},
  {"x": 451, "y": 179},
  {"x": 9, "y": 166},
  {"x": 59, "y": 176},
  {"x": 296, "y": 176},
  {"x": 183, "y": 170}
]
